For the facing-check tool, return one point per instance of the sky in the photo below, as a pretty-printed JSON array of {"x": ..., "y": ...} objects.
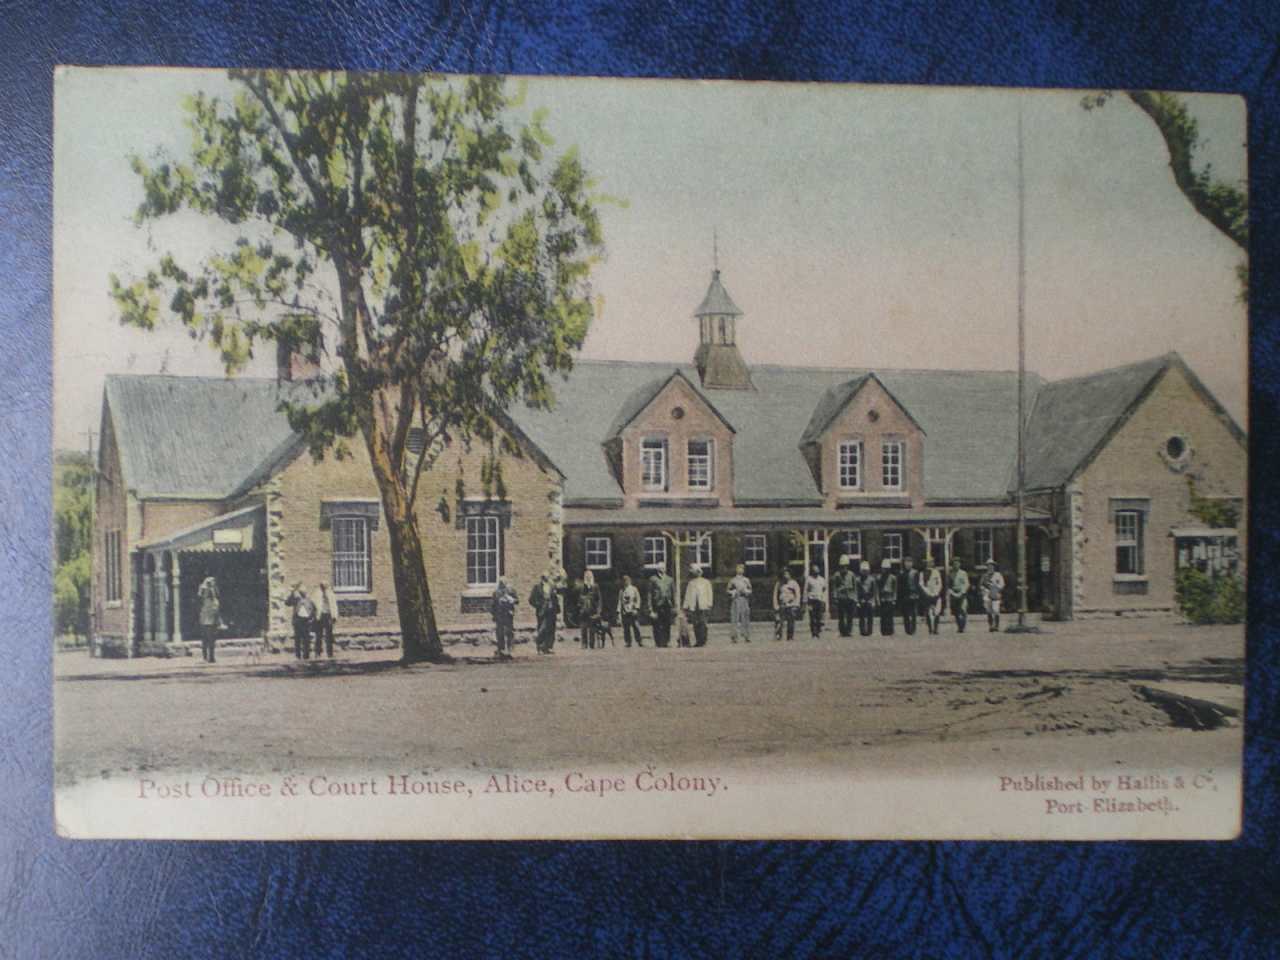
[{"x": 856, "y": 226}]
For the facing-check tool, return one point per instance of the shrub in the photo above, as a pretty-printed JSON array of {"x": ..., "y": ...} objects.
[{"x": 1206, "y": 599}]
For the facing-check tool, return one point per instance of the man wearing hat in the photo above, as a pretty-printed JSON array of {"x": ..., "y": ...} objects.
[
  {"x": 867, "y": 596},
  {"x": 888, "y": 587},
  {"x": 697, "y": 604},
  {"x": 844, "y": 586},
  {"x": 662, "y": 604},
  {"x": 958, "y": 591},
  {"x": 992, "y": 585},
  {"x": 740, "y": 605},
  {"x": 912, "y": 592},
  {"x": 932, "y": 595},
  {"x": 815, "y": 598},
  {"x": 546, "y": 605}
]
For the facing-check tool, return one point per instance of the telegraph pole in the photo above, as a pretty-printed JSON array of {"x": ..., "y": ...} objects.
[{"x": 1021, "y": 626}]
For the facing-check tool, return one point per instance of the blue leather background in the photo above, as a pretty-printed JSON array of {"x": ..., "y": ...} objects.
[{"x": 64, "y": 899}]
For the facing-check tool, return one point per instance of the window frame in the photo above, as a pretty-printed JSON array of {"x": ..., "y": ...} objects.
[
  {"x": 891, "y": 537},
  {"x": 856, "y": 446},
  {"x": 709, "y": 456},
  {"x": 113, "y": 582},
  {"x": 846, "y": 536},
  {"x": 655, "y": 445},
  {"x": 899, "y": 465},
  {"x": 664, "y": 559},
  {"x": 704, "y": 544},
  {"x": 489, "y": 521},
  {"x": 1134, "y": 545},
  {"x": 597, "y": 538},
  {"x": 362, "y": 556},
  {"x": 750, "y": 540},
  {"x": 979, "y": 557}
]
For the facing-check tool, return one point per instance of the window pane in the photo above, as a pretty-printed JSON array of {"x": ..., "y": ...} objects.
[
  {"x": 754, "y": 549},
  {"x": 893, "y": 546},
  {"x": 350, "y": 553},
  {"x": 482, "y": 551},
  {"x": 891, "y": 453},
  {"x": 597, "y": 551},
  {"x": 655, "y": 551},
  {"x": 653, "y": 464},
  {"x": 852, "y": 544},
  {"x": 850, "y": 465},
  {"x": 699, "y": 458}
]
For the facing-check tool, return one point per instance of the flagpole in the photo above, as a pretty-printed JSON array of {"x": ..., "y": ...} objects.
[{"x": 1022, "y": 384}]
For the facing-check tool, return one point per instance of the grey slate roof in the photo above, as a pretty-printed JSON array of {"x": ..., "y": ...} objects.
[
  {"x": 717, "y": 301},
  {"x": 644, "y": 395},
  {"x": 1070, "y": 418},
  {"x": 196, "y": 436},
  {"x": 968, "y": 417}
]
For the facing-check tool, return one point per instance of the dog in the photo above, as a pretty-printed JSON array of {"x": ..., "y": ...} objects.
[
  {"x": 600, "y": 630},
  {"x": 253, "y": 651}
]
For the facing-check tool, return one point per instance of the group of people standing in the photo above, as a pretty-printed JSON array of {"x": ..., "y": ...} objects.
[
  {"x": 314, "y": 615},
  {"x": 909, "y": 594}
]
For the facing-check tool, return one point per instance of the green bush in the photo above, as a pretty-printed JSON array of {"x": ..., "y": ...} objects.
[{"x": 1206, "y": 599}]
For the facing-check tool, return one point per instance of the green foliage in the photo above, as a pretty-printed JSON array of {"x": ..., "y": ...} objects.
[
  {"x": 73, "y": 538},
  {"x": 1213, "y": 513},
  {"x": 1206, "y": 599},
  {"x": 413, "y": 227}
]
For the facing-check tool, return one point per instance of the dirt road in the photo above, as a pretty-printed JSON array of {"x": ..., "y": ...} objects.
[{"x": 1068, "y": 695}]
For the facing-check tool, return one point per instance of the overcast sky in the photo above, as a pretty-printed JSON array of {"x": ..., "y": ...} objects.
[{"x": 859, "y": 226}]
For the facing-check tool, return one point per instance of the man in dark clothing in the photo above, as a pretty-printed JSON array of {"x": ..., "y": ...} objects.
[
  {"x": 503, "y": 609},
  {"x": 546, "y": 606},
  {"x": 304, "y": 614},
  {"x": 912, "y": 591},
  {"x": 844, "y": 590},
  {"x": 662, "y": 604},
  {"x": 888, "y": 597},
  {"x": 588, "y": 609},
  {"x": 867, "y": 595}
]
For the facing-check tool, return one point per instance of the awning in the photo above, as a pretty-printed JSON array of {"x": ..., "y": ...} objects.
[
  {"x": 229, "y": 533},
  {"x": 1202, "y": 532}
]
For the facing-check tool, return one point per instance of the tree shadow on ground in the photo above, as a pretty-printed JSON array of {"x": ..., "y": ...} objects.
[
  {"x": 291, "y": 670},
  {"x": 1209, "y": 670}
]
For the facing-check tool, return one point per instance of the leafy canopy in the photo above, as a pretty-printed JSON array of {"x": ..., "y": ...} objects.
[{"x": 417, "y": 228}]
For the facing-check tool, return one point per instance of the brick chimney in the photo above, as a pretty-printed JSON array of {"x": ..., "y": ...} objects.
[{"x": 292, "y": 363}]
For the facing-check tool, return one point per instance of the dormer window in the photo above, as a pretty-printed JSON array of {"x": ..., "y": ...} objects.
[
  {"x": 653, "y": 463},
  {"x": 891, "y": 457},
  {"x": 850, "y": 464},
  {"x": 701, "y": 460}
]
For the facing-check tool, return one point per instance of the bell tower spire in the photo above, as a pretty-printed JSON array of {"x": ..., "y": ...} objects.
[{"x": 720, "y": 365}]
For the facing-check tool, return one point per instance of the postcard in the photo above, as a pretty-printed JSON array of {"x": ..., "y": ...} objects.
[{"x": 496, "y": 457}]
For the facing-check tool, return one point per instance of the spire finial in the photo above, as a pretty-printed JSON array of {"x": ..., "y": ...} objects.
[{"x": 715, "y": 250}]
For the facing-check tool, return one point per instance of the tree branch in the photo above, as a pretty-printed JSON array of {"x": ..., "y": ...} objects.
[{"x": 1179, "y": 132}]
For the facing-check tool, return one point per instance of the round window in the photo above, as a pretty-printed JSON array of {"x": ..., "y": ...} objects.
[
  {"x": 677, "y": 413},
  {"x": 1175, "y": 447},
  {"x": 873, "y": 415}
]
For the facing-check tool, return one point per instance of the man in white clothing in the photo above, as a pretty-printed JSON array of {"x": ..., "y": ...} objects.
[{"x": 697, "y": 603}]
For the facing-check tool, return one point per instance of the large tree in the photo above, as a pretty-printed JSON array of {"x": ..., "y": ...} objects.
[
  {"x": 1223, "y": 204},
  {"x": 420, "y": 228}
]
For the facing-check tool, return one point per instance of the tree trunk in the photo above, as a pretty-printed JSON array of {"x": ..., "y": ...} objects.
[{"x": 419, "y": 638}]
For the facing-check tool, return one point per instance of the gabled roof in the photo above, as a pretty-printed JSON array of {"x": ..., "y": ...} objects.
[
  {"x": 197, "y": 437},
  {"x": 970, "y": 418},
  {"x": 640, "y": 398},
  {"x": 1072, "y": 419},
  {"x": 213, "y": 438},
  {"x": 717, "y": 302},
  {"x": 833, "y": 402}
]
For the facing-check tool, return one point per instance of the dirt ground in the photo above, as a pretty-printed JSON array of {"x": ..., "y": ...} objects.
[{"x": 1069, "y": 695}]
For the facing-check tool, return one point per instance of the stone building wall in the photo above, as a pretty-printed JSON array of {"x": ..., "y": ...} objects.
[{"x": 1136, "y": 464}]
